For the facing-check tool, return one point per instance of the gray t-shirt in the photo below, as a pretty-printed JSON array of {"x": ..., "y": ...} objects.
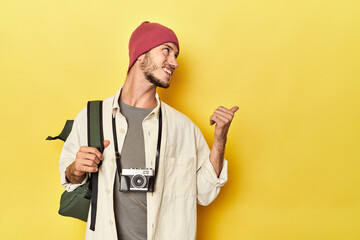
[{"x": 130, "y": 208}]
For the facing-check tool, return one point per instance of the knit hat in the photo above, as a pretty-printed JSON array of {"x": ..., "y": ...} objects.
[{"x": 146, "y": 37}]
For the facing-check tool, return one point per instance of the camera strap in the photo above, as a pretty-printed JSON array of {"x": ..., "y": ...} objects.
[{"x": 118, "y": 156}]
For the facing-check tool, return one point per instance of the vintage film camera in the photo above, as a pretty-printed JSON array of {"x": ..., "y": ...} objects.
[{"x": 137, "y": 179}]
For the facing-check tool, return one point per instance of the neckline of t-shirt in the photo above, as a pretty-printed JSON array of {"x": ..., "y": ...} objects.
[{"x": 132, "y": 108}]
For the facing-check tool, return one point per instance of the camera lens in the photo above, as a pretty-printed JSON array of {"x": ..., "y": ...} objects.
[{"x": 138, "y": 181}]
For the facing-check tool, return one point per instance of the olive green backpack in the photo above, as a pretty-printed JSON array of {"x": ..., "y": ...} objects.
[{"x": 76, "y": 203}]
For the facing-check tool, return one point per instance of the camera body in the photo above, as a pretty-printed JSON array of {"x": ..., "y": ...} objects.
[{"x": 137, "y": 179}]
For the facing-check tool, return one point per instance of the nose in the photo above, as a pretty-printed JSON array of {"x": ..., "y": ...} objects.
[{"x": 173, "y": 62}]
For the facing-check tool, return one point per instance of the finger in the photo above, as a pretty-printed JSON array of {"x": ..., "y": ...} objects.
[
  {"x": 227, "y": 114},
  {"x": 234, "y": 109},
  {"x": 89, "y": 169},
  {"x": 87, "y": 162},
  {"x": 213, "y": 119},
  {"x": 230, "y": 111},
  {"x": 87, "y": 156},
  {"x": 106, "y": 143},
  {"x": 219, "y": 120},
  {"x": 223, "y": 111},
  {"x": 91, "y": 150},
  {"x": 92, "y": 158},
  {"x": 84, "y": 165}
]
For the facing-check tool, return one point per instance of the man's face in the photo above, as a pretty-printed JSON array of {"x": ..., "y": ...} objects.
[{"x": 159, "y": 64}]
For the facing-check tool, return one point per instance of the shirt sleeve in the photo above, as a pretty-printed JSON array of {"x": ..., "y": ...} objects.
[
  {"x": 75, "y": 140},
  {"x": 208, "y": 183}
]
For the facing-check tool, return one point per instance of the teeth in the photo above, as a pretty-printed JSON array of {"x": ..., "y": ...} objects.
[{"x": 167, "y": 70}]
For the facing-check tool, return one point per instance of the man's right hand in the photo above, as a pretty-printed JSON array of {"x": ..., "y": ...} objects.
[{"x": 87, "y": 160}]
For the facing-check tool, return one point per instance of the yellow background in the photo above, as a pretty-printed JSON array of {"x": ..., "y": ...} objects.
[{"x": 291, "y": 66}]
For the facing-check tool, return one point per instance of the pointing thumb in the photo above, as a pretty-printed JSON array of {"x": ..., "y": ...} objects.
[
  {"x": 106, "y": 143},
  {"x": 234, "y": 109}
]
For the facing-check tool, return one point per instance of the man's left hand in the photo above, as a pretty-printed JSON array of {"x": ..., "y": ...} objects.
[{"x": 222, "y": 117}]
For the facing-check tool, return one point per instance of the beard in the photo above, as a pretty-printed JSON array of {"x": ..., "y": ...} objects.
[{"x": 148, "y": 67}]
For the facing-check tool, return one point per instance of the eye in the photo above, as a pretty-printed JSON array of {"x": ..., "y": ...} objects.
[{"x": 167, "y": 50}]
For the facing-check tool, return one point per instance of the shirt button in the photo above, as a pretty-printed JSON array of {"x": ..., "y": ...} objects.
[
  {"x": 111, "y": 222},
  {"x": 122, "y": 130},
  {"x": 108, "y": 191},
  {"x": 113, "y": 160},
  {"x": 149, "y": 133}
]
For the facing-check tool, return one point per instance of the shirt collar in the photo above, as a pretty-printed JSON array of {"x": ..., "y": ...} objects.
[{"x": 116, "y": 106}]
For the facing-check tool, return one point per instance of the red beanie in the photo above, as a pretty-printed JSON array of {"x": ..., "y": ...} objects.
[{"x": 146, "y": 37}]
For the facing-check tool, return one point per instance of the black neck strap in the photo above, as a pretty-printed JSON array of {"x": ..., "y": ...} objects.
[{"x": 118, "y": 156}]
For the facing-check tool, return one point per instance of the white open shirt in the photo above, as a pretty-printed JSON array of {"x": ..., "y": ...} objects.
[{"x": 185, "y": 176}]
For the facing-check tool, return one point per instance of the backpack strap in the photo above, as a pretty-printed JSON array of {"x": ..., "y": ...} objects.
[
  {"x": 64, "y": 133},
  {"x": 95, "y": 139}
]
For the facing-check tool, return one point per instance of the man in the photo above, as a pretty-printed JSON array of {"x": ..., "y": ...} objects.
[{"x": 188, "y": 172}]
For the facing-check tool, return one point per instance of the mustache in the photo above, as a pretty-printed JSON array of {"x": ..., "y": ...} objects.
[{"x": 168, "y": 66}]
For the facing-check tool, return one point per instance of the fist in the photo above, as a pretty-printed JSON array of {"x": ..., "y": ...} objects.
[{"x": 88, "y": 159}]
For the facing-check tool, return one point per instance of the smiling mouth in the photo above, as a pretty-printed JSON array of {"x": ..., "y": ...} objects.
[{"x": 167, "y": 71}]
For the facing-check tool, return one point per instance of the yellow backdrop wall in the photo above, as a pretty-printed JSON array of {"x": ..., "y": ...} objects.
[{"x": 291, "y": 66}]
